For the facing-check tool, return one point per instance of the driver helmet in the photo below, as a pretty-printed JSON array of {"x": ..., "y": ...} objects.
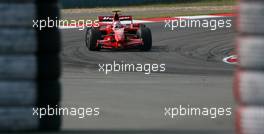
[{"x": 117, "y": 24}]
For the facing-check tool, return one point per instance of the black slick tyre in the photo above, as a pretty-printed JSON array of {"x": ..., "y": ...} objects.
[
  {"x": 92, "y": 35},
  {"x": 145, "y": 34}
]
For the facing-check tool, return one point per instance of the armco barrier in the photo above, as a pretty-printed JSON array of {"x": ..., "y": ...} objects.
[
  {"x": 249, "y": 87},
  {"x": 21, "y": 119},
  {"x": 251, "y": 50},
  {"x": 251, "y": 17},
  {"x": 21, "y": 40},
  {"x": 29, "y": 93},
  {"x": 248, "y": 83},
  {"x": 30, "y": 65},
  {"x": 250, "y": 120}
]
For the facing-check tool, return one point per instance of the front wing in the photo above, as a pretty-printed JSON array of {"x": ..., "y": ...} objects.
[{"x": 108, "y": 44}]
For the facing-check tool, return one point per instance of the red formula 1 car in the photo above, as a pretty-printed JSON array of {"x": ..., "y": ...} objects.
[{"x": 112, "y": 34}]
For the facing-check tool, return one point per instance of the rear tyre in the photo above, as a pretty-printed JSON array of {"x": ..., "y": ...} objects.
[
  {"x": 92, "y": 35},
  {"x": 145, "y": 34}
]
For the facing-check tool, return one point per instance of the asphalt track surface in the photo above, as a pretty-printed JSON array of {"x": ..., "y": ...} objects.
[{"x": 195, "y": 75}]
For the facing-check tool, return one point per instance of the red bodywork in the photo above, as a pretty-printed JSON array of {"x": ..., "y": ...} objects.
[{"x": 123, "y": 36}]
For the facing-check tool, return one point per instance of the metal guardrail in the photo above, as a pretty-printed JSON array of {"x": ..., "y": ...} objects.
[
  {"x": 29, "y": 65},
  {"x": 249, "y": 78}
]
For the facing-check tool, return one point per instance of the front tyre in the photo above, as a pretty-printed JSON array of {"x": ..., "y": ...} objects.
[
  {"x": 145, "y": 34},
  {"x": 91, "y": 37}
]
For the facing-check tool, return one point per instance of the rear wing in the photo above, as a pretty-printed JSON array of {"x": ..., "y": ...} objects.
[{"x": 111, "y": 18}]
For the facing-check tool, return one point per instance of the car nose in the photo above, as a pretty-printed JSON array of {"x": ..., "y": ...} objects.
[{"x": 119, "y": 35}]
